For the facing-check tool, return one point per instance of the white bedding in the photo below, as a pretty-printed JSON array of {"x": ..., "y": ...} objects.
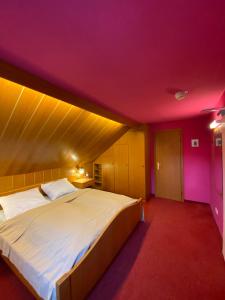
[
  {"x": 58, "y": 188},
  {"x": 17, "y": 203},
  {"x": 45, "y": 242},
  {"x": 2, "y": 216}
]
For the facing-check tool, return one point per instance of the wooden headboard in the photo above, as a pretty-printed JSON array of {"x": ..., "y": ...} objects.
[{"x": 22, "y": 182}]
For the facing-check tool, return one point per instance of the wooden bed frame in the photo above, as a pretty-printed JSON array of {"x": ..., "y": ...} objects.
[{"x": 78, "y": 282}]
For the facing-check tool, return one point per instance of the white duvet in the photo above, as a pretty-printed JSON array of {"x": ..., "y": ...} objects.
[{"x": 45, "y": 242}]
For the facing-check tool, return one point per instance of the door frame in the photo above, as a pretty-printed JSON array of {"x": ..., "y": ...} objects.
[{"x": 181, "y": 160}]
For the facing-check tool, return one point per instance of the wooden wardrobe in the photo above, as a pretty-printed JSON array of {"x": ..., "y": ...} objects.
[{"x": 122, "y": 167}]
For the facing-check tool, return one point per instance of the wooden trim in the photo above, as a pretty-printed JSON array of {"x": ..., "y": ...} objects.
[{"x": 27, "y": 79}]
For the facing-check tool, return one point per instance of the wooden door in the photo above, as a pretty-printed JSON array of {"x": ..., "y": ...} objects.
[
  {"x": 121, "y": 155},
  {"x": 168, "y": 165}
]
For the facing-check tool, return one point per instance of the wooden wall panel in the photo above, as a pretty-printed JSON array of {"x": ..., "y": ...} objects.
[
  {"x": 39, "y": 132},
  {"x": 38, "y": 177},
  {"x": 47, "y": 174},
  {"x": 19, "y": 182},
  {"x": 29, "y": 179},
  {"x": 25, "y": 78},
  {"x": 6, "y": 183},
  {"x": 56, "y": 173}
]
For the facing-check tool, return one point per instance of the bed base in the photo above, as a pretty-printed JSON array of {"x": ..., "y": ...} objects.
[{"x": 78, "y": 282}]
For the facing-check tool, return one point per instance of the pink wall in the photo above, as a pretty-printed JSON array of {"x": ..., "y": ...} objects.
[
  {"x": 217, "y": 172},
  {"x": 196, "y": 161},
  {"x": 202, "y": 167},
  {"x": 217, "y": 181}
]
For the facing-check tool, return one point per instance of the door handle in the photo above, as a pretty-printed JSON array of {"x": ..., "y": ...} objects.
[{"x": 157, "y": 165}]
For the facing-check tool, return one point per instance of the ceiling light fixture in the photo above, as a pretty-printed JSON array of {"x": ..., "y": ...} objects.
[
  {"x": 74, "y": 157},
  {"x": 180, "y": 95},
  {"x": 214, "y": 124}
]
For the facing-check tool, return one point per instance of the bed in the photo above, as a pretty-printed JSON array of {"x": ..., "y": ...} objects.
[{"x": 105, "y": 221}]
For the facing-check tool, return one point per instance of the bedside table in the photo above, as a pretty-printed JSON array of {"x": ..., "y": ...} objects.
[{"x": 82, "y": 183}]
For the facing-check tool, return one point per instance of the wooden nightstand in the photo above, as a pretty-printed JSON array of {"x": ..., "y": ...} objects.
[{"x": 82, "y": 183}]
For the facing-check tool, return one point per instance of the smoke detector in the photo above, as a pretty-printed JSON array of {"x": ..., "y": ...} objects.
[{"x": 180, "y": 95}]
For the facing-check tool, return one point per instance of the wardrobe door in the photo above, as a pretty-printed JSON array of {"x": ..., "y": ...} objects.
[
  {"x": 121, "y": 155},
  {"x": 137, "y": 165},
  {"x": 108, "y": 177}
]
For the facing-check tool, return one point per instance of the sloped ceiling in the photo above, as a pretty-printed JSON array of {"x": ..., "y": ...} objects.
[
  {"x": 127, "y": 55},
  {"x": 40, "y": 132}
]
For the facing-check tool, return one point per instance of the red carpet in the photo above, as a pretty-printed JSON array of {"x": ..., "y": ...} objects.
[
  {"x": 175, "y": 255},
  {"x": 10, "y": 287}
]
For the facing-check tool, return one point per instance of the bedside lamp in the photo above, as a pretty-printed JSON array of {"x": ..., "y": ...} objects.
[{"x": 81, "y": 171}]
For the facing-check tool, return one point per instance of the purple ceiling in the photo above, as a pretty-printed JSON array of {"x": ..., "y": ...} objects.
[{"x": 126, "y": 55}]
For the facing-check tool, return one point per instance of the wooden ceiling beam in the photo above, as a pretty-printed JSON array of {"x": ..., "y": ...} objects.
[{"x": 29, "y": 80}]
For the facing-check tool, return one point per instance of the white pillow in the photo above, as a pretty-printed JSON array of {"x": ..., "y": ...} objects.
[
  {"x": 18, "y": 203},
  {"x": 58, "y": 188}
]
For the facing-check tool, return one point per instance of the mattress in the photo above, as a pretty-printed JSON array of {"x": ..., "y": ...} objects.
[{"x": 47, "y": 241}]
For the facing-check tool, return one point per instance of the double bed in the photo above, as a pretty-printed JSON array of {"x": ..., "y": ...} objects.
[{"x": 60, "y": 249}]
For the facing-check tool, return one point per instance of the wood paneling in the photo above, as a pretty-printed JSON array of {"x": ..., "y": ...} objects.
[
  {"x": 121, "y": 154},
  {"x": 22, "y": 77},
  {"x": 108, "y": 177},
  {"x": 29, "y": 179},
  {"x": 137, "y": 172},
  {"x": 38, "y": 132},
  {"x": 16, "y": 183},
  {"x": 125, "y": 164}
]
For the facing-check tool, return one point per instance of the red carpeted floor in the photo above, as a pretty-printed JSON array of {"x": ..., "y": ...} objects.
[{"x": 174, "y": 255}]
